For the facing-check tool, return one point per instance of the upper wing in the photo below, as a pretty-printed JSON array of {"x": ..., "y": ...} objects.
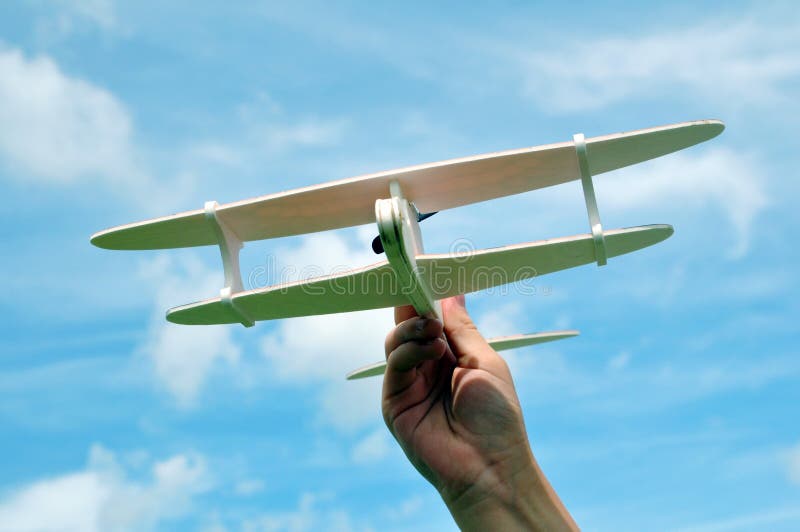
[
  {"x": 376, "y": 286},
  {"x": 431, "y": 187}
]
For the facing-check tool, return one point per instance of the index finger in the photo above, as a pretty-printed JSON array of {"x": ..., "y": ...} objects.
[{"x": 403, "y": 313}]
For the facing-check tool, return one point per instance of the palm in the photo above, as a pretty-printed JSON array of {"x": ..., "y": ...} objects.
[{"x": 458, "y": 413}]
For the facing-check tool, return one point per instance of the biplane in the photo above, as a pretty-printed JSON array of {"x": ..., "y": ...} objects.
[{"x": 397, "y": 200}]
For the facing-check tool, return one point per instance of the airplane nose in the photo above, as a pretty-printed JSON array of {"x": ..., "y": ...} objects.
[{"x": 377, "y": 245}]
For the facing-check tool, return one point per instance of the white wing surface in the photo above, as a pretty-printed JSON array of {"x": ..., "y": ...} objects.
[
  {"x": 431, "y": 187},
  {"x": 499, "y": 343},
  {"x": 447, "y": 275}
]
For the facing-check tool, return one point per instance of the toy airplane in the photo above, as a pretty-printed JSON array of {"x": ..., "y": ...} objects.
[{"x": 395, "y": 200}]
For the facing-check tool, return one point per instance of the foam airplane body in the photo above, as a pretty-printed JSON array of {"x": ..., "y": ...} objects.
[{"x": 395, "y": 199}]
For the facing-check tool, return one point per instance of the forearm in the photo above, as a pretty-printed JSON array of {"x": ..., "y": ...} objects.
[{"x": 518, "y": 499}]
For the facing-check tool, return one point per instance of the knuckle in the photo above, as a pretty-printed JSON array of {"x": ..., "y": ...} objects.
[{"x": 387, "y": 343}]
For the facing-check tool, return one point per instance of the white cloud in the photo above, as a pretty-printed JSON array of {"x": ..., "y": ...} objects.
[
  {"x": 501, "y": 320},
  {"x": 57, "y": 128},
  {"x": 753, "y": 521},
  {"x": 726, "y": 179},
  {"x": 348, "y": 405},
  {"x": 266, "y": 138},
  {"x": 707, "y": 190},
  {"x": 308, "y": 132},
  {"x": 327, "y": 347},
  {"x": 314, "y": 512},
  {"x": 619, "y": 361},
  {"x": 320, "y": 254},
  {"x": 249, "y": 487},
  {"x": 324, "y": 348},
  {"x": 102, "y": 497},
  {"x": 793, "y": 464},
  {"x": 62, "y": 129},
  {"x": 546, "y": 377},
  {"x": 373, "y": 447},
  {"x": 183, "y": 356},
  {"x": 765, "y": 284},
  {"x": 743, "y": 62},
  {"x": 314, "y": 348},
  {"x": 60, "y": 19},
  {"x": 100, "y": 12},
  {"x": 264, "y": 130},
  {"x": 215, "y": 152},
  {"x": 408, "y": 508}
]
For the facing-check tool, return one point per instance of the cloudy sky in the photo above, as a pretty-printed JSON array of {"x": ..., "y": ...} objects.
[{"x": 676, "y": 408}]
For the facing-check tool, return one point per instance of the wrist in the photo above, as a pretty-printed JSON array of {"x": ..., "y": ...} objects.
[{"x": 508, "y": 495}]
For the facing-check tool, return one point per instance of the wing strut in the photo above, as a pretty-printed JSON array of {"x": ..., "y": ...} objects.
[
  {"x": 229, "y": 247},
  {"x": 591, "y": 201}
]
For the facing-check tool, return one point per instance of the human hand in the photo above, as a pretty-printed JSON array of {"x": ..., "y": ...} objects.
[{"x": 450, "y": 401}]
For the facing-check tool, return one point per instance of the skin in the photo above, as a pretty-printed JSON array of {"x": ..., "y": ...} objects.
[{"x": 450, "y": 402}]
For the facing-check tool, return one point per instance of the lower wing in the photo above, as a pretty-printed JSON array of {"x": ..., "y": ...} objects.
[
  {"x": 499, "y": 343},
  {"x": 376, "y": 286}
]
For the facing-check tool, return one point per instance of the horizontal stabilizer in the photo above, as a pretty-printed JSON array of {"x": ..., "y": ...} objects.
[
  {"x": 499, "y": 343},
  {"x": 376, "y": 286}
]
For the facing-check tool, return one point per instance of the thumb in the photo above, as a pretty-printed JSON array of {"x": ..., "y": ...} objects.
[
  {"x": 467, "y": 343},
  {"x": 458, "y": 324}
]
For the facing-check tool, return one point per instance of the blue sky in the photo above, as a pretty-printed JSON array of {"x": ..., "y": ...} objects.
[{"x": 676, "y": 408}]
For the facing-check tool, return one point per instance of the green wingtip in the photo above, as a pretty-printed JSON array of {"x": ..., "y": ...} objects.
[
  {"x": 101, "y": 240},
  {"x": 718, "y": 127}
]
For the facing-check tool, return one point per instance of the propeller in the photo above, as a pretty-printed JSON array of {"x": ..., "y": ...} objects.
[{"x": 377, "y": 245}]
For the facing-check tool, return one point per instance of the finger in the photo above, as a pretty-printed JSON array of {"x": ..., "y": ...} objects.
[
  {"x": 404, "y": 312},
  {"x": 409, "y": 355},
  {"x": 458, "y": 324},
  {"x": 401, "y": 365},
  {"x": 414, "y": 329},
  {"x": 467, "y": 343}
]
